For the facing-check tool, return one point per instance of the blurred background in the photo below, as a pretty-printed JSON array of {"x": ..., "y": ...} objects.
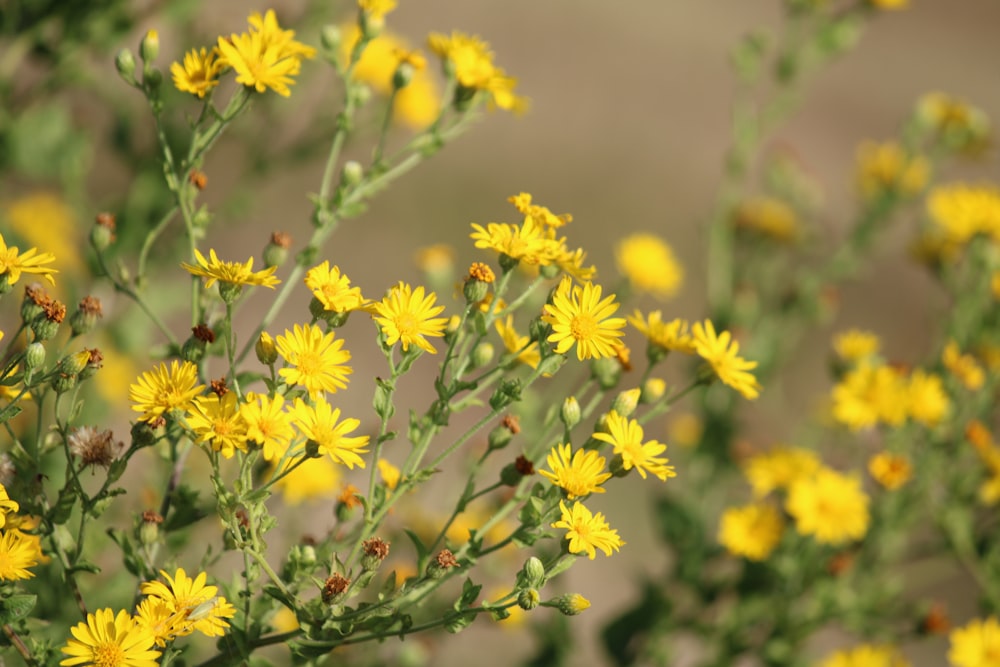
[{"x": 627, "y": 130}]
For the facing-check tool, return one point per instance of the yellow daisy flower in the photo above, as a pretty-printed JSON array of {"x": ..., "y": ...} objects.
[
  {"x": 768, "y": 217},
  {"x": 267, "y": 56},
  {"x": 976, "y": 644},
  {"x": 390, "y": 474},
  {"x": 722, "y": 353},
  {"x": 233, "y": 273},
  {"x": 963, "y": 366},
  {"x": 829, "y": 506},
  {"x": 199, "y": 73},
  {"x": 928, "y": 403},
  {"x": 587, "y": 532},
  {"x": 161, "y": 619},
  {"x": 579, "y": 316},
  {"x": 318, "y": 361},
  {"x": 779, "y": 468},
  {"x": 377, "y": 9},
  {"x": 472, "y": 62},
  {"x": 751, "y": 531},
  {"x": 13, "y": 263},
  {"x": 110, "y": 641},
  {"x": 867, "y": 655},
  {"x": 522, "y": 202},
  {"x": 580, "y": 474},
  {"x": 526, "y": 242},
  {"x": 161, "y": 390},
  {"x": 268, "y": 424},
  {"x": 204, "y": 609},
  {"x": 856, "y": 345},
  {"x": 17, "y": 553},
  {"x": 406, "y": 315},
  {"x": 7, "y": 506},
  {"x": 333, "y": 289},
  {"x": 889, "y": 168},
  {"x": 890, "y": 470},
  {"x": 625, "y": 435},
  {"x": 514, "y": 343},
  {"x": 217, "y": 420},
  {"x": 870, "y": 394},
  {"x": 648, "y": 262},
  {"x": 666, "y": 336},
  {"x": 318, "y": 422}
]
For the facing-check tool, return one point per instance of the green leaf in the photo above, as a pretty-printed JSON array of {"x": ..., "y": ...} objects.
[
  {"x": 10, "y": 412},
  {"x": 470, "y": 593},
  {"x": 418, "y": 544},
  {"x": 63, "y": 507},
  {"x": 382, "y": 402},
  {"x": 15, "y": 607}
]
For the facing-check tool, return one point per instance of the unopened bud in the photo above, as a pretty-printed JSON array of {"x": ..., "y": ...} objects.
[
  {"x": 402, "y": 76},
  {"x": 482, "y": 354},
  {"x": 125, "y": 64},
  {"x": 330, "y": 37},
  {"x": 74, "y": 363},
  {"x": 63, "y": 382},
  {"x": 570, "y": 604},
  {"x": 499, "y": 437},
  {"x": 570, "y": 413},
  {"x": 34, "y": 356},
  {"x": 440, "y": 564},
  {"x": 534, "y": 572},
  {"x": 149, "y": 47},
  {"x": 652, "y": 390},
  {"x": 352, "y": 174},
  {"x": 528, "y": 599},
  {"x": 276, "y": 251},
  {"x": 606, "y": 371},
  {"x": 266, "y": 350},
  {"x": 626, "y": 402}
]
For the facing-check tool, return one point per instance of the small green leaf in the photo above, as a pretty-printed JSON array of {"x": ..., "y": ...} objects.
[{"x": 15, "y": 607}]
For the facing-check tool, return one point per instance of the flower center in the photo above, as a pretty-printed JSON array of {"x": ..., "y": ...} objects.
[
  {"x": 407, "y": 325},
  {"x": 308, "y": 363},
  {"x": 108, "y": 654},
  {"x": 583, "y": 327}
]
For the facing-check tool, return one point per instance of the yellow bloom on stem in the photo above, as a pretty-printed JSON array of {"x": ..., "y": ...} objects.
[
  {"x": 889, "y": 4},
  {"x": 406, "y": 315},
  {"x": 855, "y": 345},
  {"x": 18, "y": 552},
  {"x": 580, "y": 474},
  {"x": 768, "y": 217},
  {"x": 514, "y": 343},
  {"x": 318, "y": 422},
  {"x": 7, "y": 506},
  {"x": 233, "y": 273},
  {"x": 268, "y": 424},
  {"x": 587, "y": 532},
  {"x": 870, "y": 394},
  {"x": 107, "y": 640},
  {"x": 267, "y": 56},
  {"x": 888, "y": 168},
  {"x": 829, "y": 506},
  {"x": 928, "y": 402},
  {"x": 203, "y": 608},
  {"x": 962, "y": 211},
  {"x": 160, "y": 619},
  {"x": 722, "y": 353},
  {"x": 522, "y": 202},
  {"x": 890, "y": 470},
  {"x": 161, "y": 390},
  {"x": 376, "y": 8},
  {"x": 779, "y": 468},
  {"x": 199, "y": 73},
  {"x": 963, "y": 366},
  {"x": 390, "y": 474},
  {"x": 867, "y": 655},
  {"x": 625, "y": 436},
  {"x": 316, "y": 479},
  {"x": 751, "y": 531},
  {"x": 527, "y": 242},
  {"x": 471, "y": 60},
  {"x": 649, "y": 264},
  {"x": 579, "y": 316},
  {"x": 219, "y": 422},
  {"x": 666, "y": 336},
  {"x": 318, "y": 361},
  {"x": 13, "y": 263},
  {"x": 333, "y": 289},
  {"x": 976, "y": 644}
]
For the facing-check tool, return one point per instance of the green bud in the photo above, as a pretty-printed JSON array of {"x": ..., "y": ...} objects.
[
  {"x": 510, "y": 475},
  {"x": 29, "y": 307},
  {"x": 143, "y": 434},
  {"x": 570, "y": 413},
  {"x": 230, "y": 292},
  {"x": 551, "y": 364},
  {"x": 5, "y": 284},
  {"x": 475, "y": 290},
  {"x": 274, "y": 255},
  {"x": 312, "y": 449},
  {"x": 101, "y": 237},
  {"x": 528, "y": 599},
  {"x": 499, "y": 437},
  {"x": 44, "y": 328},
  {"x": 63, "y": 382},
  {"x": 606, "y": 371},
  {"x": 402, "y": 76},
  {"x": 330, "y": 38},
  {"x": 626, "y": 402},
  {"x": 508, "y": 392},
  {"x": 652, "y": 390},
  {"x": 482, "y": 354},
  {"x": 344, "y": 512},
  {"x": 193, "y": 350},
  {"x": 125, "y": 64},
  {"x": 149, "y": 47},
  {"x": 74, "y": 363},
  {"x": 371, "y": 26},
  {"x": 352, "y": 174},
  {"x": 534, "y": 572},
  {"x": 34, "y": 356},
  {"x": 570, "y": 604},
  {"x": 149, "y": 533},
  {"x": 153, "y": 78},
  {"x": 266, "y": 350}
]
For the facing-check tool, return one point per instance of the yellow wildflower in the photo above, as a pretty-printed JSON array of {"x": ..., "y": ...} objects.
[
  {"x": 266, "y": 57},
  {"x": 578, "y": 475},
  {"x": 890, "y": 470},
  {"x": 318, "y": 360},
  {"x": 233, "y": 273},
  {"x": 587, "y": 532},
  {"x": 204, "y": 610},
  {"x": 829, "y": 506},
  {"x": 648, "y": 262},
  {"x": 625, "y": 436},
  {"x": 867, "y": 655},
  {"x": 779, "y": 468},
  {"x": 268, "y": 424},
  {"x": 514, "y": 343},
  {"x": 13, "y": 263},
  {"x": 976, "y": 644},
  {"x": 109, "y": 639},
  {"x": 199, "y": 73},
  {"x": 315, "y": 479},
  {"x": 887, "y": 168},
  {"x": 961, "y": 211},
  {"x": 471, "y": 60},
  {"x": 405, "y": 315},
  {"x": 751, "y": 531},
  {"x": 927, "y": 401},
  {"x": 963, "y": 366},
  {"x": 855, "y": 345},
  {"x": 722, "y": 353},
  {"x": 768, "y": 217},
  {"x": 319, "y": 422},
  {"x": 579, "y": 316},
  {"x": 219, "y": 422},
  {"x": 161, "y": 390},
  {"x": 666, "y": 336},
  {"x": 869, "y": 394}
]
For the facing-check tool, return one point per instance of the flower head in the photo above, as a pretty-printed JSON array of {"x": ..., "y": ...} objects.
[
  {"x": 218, "y": 421},
  {"x": 928, "y": 403},
  {"x": 665, "y": 336},
  {"x": 976, "y": 644},
  {"x": 18, "y": 552},
  {"x": 579, "y": 316},
  {"x": 318, "y": 422},
  {"x": 472, "y": 62},
  {"x": 648, "y": 262},
  {"x": 527, "y": 351},
  {"x": 625, "y": 435},
  {"x": 768, "y": 217},
  {"x": 963, "y": 366},
  {"x": 94, "y": 447},
  {"x": 267, "y": 56},
  {"x": 202, "y": 607},
  {"x": 829, "y": 506},
  {"x": 779, "y": 469},
  {"x": 751, "y": 531},
  {"x": 890, "y": 470},
  {"x": 722, "y": 353},
  {"x": 888, "y": 168},
  {"x": 109, "y": 640},
  {"x": 406, "y": 315},
  {"x": 580, "y": 474},
  {"x": 161, "y": 390},
  {"x": 587, "y": 532},
  {"x": 333, "y": 289},
  {"x": 233, "y": 273},
  {"x": 855, "y": 345},
  {"x": 199, "y": 73},
  {"x": 13, "y": 263},
  {"x": 318, "y": 361},
  {"x": 268, "y": 424},
  {"x": 869, "y": 394}
]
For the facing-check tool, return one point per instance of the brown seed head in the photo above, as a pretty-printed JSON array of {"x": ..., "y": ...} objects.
[
  {"x": 37, "y": 294},
  {"x": 55, "y": 311},
  {"x": 524, "y": 466},
  {"x": 106, "y": 220},
  {"x": 219, "y": 386},
  {"x": 334, "y": 586},
  {"x": 446, "y": 559},
  {"x": 91, "y": 305},
  {"x": 281, "y": 239},
  {"x": 203, "y": 333},
  {"x": 376, "y": 547},
  {"x": 149, "y": 516}
]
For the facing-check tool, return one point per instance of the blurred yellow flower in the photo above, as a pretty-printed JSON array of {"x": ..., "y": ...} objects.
[
  {"x": 870, "y": 394},
  {"x": 751, "y": 531},
  {"x": 768, "y": 217},
  {"x": 390, "y": 474},
  {"x": 976, "y": 644},
  {"x": 43, "y": 219},
  {"x": 315, "y": 479},
  {"x": 13, "y": 263},
  {"x": 648, "y": 262},
  {"x": 666, "y": 336},
  {"x": 963, "y": 366},
  {"x": 514, "y": 343},
  {"x": 471, "y": 60},
  {"x": 855, "y": 345},
  {"x": 888, "y": 168},
  {"x": 962, "y": 211},
  {"x": 928, "y": 403},
  {"x": 829, "y": 506},
  {"x": 17, "y": 554},
  {"x": 890, "y": 470},
  {"x": 867, "y": 655},
  {"x": 779, "y": 468},
  {"x": 199, "y": 73}
]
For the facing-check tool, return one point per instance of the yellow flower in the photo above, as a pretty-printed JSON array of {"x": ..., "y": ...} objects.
[
  {"x": 961, "y": 212},
  {"x": 107, "y": 640},
  {"x": 7, "y": 506},
  {"x": 769, "y": 217},
  {"x": 963, "y": 366},
  {"x": 390, "y": 474},
  {"x": 161, "y": 620},
  {"x": 417, "y": 104},
  {"x": 161, "y": 390},
  {"x": 890, "y": 470},
  {"x": 722, "y": 353},
  {"x": 686, "y": 429},
  {"x": 579, "y": 475},
  {"x": 887, "y": 167},
  {"x": 376, "y": 8},
  {"x": 625, "y": 435},
  {"x": 233, "y": 273},
  {"x": 318, "y": 361},
  {"x": 13, "y": 263},
  {"x": 204, "y": 610},
  {"x": 199, "y": 73},
  {"x": 406, "y": 315},
  {"x": 437, "y": 259},
  {"x": 18, "y": 552},
  {"x": 268, "y": 424},
  {"x": 333, "y": 289},
  {"x": 779, "y": 468},
  {"x": 579, "y": 316},
  {"x": 870, "y": 394},
  {"x": 666, "y": 336},
  {"x": 867, "y": 655},
  {"x": 928, "y": 402},
  {"x": 218, "y": 421},
  {"x": 316, "y": 479},
  {"x": 976, "y": 644},
  {"x": 267, "y": 56},
  {"x": 829, "y": 506},
  {"x": 960, "y": 124},
  {"x": 587, "y": 532},
  {"x": 751, "y": 531},
  {"x": 472, "y": 62},
  {"x": 855, "y": 345},
  {"x": 517, "y": 344},
  {"x": 46, "y": 220},
  {"x": 527, "y": 243},
  {"x": 318, "y": 422},
  {"x": 648, "y": 262},
  {"x": 522, "y": 202}
]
